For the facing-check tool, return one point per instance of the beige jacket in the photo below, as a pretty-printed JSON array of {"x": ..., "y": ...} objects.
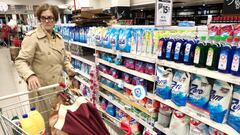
[{"x": 43, "y": 56}]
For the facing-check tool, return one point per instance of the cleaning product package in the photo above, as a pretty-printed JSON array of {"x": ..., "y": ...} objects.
[
  {"x": 227, "y": 30},
  {"x": 106, "y": 39},
  {"x": 179, "y": 124},
  {"x": 197, "y": 127},
  {"x": 134, "y": 41},
  {"x": 237, "y": 30},
  {"x": 114, "y": 37},
  {"x": 189, "y": 52},
  {"x": 213, "y": 131},
  {"x": 125, "y": 40},
  {"x": 170, "y": 49},
  {"x": 181, "y": 90},
  {"x": 199, "y": 91},
  {"x": 111, "y": 109},
  {"x": 139, "y": 33},
  {"x": 234, "y": 114},
  {"x": 164, "y": 82},
  {"x": 149, "y": 41},
  {"x": 164, "y": 115},
  {"x": 235, "y": 66},
  {"x": 162, "y": 44},
  {"x": 179, "y": 50},
  {"x": 220, "y": 98},
  {"x": 156, "y": 37}
]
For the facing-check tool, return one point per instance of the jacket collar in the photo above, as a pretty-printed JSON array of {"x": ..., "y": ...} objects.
[{"x": 40, "y": 32}]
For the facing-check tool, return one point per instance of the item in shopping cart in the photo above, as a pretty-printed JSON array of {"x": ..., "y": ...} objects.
[
  {"x": 179, "y": 124},
  {"x": 226, "y": 57},
  {"x": 235, "y": 68},
  {"x": 129, "y": 63},
  {"x": 170, "y": 49},
  {"x": 199, "y": 91},
  {"x": 234, "y": 115},
  {"x": 213, "y": 131},
  {"x": 190, "y": 46},
  {"x": 220, "y": 99},
  {"x": 197, "y": 127},
  {"x": 180, "y": 91},
  {"x": 139, "y": 66},
  {"x": 149, "y": 69},
  {"x": 179, "y": 50},
  {"x": 16, "y": 121},
  {"x": 200, "y": 54},
  {"x": 164, "y": 81},
  {"x": 27, "y": 125},
  {"x": 35, "y": 116},
  {"x": 111, "y": 109},
  {"x": 164, "y": 115}
]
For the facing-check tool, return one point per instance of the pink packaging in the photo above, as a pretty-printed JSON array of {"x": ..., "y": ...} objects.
[
  {"x": 227, "y": 30},
  {"x": 129, "y": 63},
  {"x": 139, "y": 66},
  {"x": 126, "y": 78},
  {"x": 149, "y": 69},
  {"x": 237, "y": 30},
  {"x": 214, "y": 30}
]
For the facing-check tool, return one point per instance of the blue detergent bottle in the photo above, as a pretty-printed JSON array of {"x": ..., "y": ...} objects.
[
  {"x": 235, "y": 67},
  {"x": 170, "y": 49},
  {"x": 111, "y": 109},
  {"x": 188, "y": 57},
  {"x": 179, "y": 50},
  {"x": 162, "y": 44},
  {"x": 226, "y": 56}
]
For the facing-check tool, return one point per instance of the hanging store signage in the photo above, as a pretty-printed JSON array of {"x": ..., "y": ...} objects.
[
  {"x": 231, "y": 7},
  {"x": 163, "y": 12},
  {"x": 139, "y": 92}
]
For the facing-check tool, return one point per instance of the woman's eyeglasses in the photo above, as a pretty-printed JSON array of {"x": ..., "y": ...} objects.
[{"x": 48, "y": 18}]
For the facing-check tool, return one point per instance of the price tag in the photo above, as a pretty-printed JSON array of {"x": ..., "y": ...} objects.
[
  {"x": 139, "y": 92},
  {"x": 163, "y": 12}
]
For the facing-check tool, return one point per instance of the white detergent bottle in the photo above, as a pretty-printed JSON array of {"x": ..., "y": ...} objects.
[{"x": 35, "y": 116}]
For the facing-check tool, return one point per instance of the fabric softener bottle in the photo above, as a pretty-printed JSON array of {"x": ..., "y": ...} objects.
[
  {"x": 213, "y": 54},
  {"x": 200, "y": 54}
]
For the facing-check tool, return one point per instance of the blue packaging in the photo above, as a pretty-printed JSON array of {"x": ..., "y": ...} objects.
[
  {"x": 170, "y": 49},
  {"x": 199, "y": 91},
  {"x": 181, "y": 90},
  {"x": 86, "y": 29},
  {"x": 234, "y": 115},
  {"x": 179, "y": 51},
  {"x": 125, "y": 40},
  {"x": 220, "y": 98},
  {"x": 139, "y": 40},
  {"x": 106, "y": 39},
  {"x": 111, "y": 109},
  {"x": 235, "y": 68},
  {"x": 225, "y": 59},
  {"x": 114, "y": 38},
  {"x": 76, "y": 34},
  {"x": 189, "y": 52},
  {"x": 164, "y": 82},
  {"x": 162, "y": 48}
]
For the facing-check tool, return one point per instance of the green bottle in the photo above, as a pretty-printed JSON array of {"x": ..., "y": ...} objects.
[
  {"x": 213, "y": 54},
  {"x": 200, "y": 54}
]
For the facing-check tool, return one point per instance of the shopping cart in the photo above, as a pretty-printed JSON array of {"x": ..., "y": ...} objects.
[{"x": 20, "y": 103}]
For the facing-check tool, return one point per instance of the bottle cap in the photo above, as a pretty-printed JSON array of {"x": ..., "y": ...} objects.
[
  {"x": 211, "y": 37},
  {"x": 25, "y": 116},
  {"x": 217, "y": 38},
  {"x": 203, "y": 38},
  {"x": 236, "y": 39},
  {"x": 33, "y": 108},
  {"x": 229, "y": 39}
]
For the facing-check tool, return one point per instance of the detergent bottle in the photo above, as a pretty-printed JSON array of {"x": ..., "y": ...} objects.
[
  {"x": 35, "y": 116},
  {"x": 190, "y": 46},
  {"x": 200, "y": 54},
  {"x": 235, "y": 68},
  {"x": 179, "y": 50},
  {"x": 162, "y": 44},
  {"x": 213, "y": 54},
  {"x": 28, "y": 125},
  {"x": 226, "y": 55},
  {"x": 170, "y": 48}
]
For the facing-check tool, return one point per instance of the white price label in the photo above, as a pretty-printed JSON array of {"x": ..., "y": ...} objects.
[{"x": 163, "y": 12}]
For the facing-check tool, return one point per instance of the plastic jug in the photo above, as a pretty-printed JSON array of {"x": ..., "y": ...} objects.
[
  {"x": 170, "y": 49},
  {"x": 16, "y": 121},
  {"x": 200, "y": 54},
  {"x": 27, "y": 125},
  {"x": 213, "y": 54},
  {"x": 235, "y": 68},
  {"x": 225, "y": 59},
  {"x": 162, "y": 44},
  {"x": 179, "y": 50},
  {"x": 190, "y": 46},
  {"x": 39, "y": 121}
]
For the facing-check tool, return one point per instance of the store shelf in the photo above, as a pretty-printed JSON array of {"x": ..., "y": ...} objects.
[
  {"x": 113, "y": 119},
  {"x": 149, "y": 59},
  {"x": 125, "y": 100},
  {"x": 161, "y": 128},
  {"x": 129, "y": 71},
  {"x": 82, "y": 73},
  {"x": 82, "y": 81},
  {"x": 85, "y": 59},
  {"x": 200, "y": 71},
  {"x": 120, "y": 106},
  {"x": 119, "y": 81},
  {"x": 221, "y": 127},
  {"x": 82, "y": 44}
]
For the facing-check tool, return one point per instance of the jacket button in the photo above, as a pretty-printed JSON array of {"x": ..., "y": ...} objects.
[
  {"x": 49, "y": 53},
  {"x": 53, "y": 76}
]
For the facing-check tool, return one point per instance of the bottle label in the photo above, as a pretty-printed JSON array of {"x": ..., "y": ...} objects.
[
  {"x": 222, "y": 62},
  {"x": 187, "y": 52},
  {"x": 235, "y": 63},
  {"x": 197, "y": 55},
  {"x": 210, "y": 57},
  {"x": 177, "y": 50},
  {"x": 169, "y": 48},
  {"x": 160, "y": 47}
]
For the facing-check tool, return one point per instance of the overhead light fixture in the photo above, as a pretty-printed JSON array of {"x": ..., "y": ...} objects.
[{"x": 141, "y": 10}]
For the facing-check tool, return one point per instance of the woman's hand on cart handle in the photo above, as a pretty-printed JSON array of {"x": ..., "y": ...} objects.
[{"x": 33, "y": 83}]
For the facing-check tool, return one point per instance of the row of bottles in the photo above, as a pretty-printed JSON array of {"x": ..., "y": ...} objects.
[
  {"x": 32, "y": 123},
  {"x": 216, "y": 53},
  {"x": 226, "y": 19}
]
